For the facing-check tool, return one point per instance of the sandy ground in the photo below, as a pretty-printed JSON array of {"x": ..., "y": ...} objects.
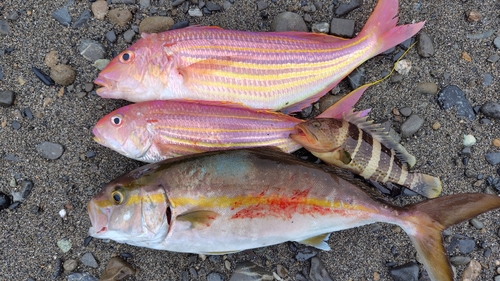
[{"x": 28, "y": 236}]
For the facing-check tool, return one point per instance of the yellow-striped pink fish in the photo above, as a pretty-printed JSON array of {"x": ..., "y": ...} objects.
[
  {"x": 364, "y": 148},
  {"x": 263, "y": 70},
  {"x": 229, "y": 201}
]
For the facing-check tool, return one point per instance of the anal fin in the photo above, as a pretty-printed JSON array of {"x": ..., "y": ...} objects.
[
  {"x": 198, "y": 218},
  {"x": 318, "y": 241}
]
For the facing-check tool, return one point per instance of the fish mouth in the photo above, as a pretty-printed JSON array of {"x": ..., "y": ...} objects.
[{"x": 98, "y": 220}]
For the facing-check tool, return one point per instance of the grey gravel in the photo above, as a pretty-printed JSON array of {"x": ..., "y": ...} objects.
[
  {"x": 322, "y": 27},
  {"x": 130, "y": 2},
  {"x": 466, "y": 246},
  {"x": 4, "y": 27},
  {"x": 215, "y": 276},
  {"x": 356, "y": 78},
  {"x": 13, "y": 16},
  {"x": 342, "y": 27},
  {"x": 305, "y": 254},
  {"x": 91, "y": 50},
  {"x": 288, "y": 21},
  {"x": 493, "y": 58},
  {"x": 62, "y": 16},
  {"x": 487, "y": 79},
  {"x": 81, "y": 277},
  {"x": 493, "y": 157},
  {"x": 129, "y": 35},
  {"x": 425, "y": 48},
  {"x": 405, "y": 272},
  {"x": 496, "y": 42},
  {"x": 70, "y": 265},
  {"x": 491, "y": 110},
  {"x": 248, "y": 271},
  {"x": 261, "y": 5},
  {"x": 405, "y": 111},
  {"x": 482, "y": 35},
  {"x": 451, "y": 96},
  {"x": 344, "y": 9},
  {"x": 477, "y": 223},
  {"x": 50, "y": 150},
  {"x": 318, "y": 271},
  {"x": 7, "y": 98},
  {"x": 89, "y": 260},
  {"x": 459, "y": 260},
  {"x": 411, "y": 125},
  {"x": 16, "y": 125},
  {"x": 82, "y": 19}
]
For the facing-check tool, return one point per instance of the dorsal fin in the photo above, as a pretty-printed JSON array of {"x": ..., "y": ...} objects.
[{"x": 381, "y": 135}]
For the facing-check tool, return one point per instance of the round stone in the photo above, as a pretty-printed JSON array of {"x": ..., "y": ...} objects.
[
  {"x": 120, "y": 16},
  {"x": 50, "y": 150},
  {"x": 100, "y": 9},
  {"x": 155, "y": 24},
  {"x": 63, "y": 74},
  {"x": 288, "y": 21},
  {"x": 70, "y": 265}
]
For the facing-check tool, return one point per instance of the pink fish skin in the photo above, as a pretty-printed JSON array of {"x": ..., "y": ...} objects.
[{"x": 264, "y": 70}]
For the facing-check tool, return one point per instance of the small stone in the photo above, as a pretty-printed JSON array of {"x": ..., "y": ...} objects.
[
  {"x": 13, "y": 16},
  {"x": 466, "y": 57},
  {"x": 471, "y": 271},
  {"x": 42, "y": 76},
  {"x": 4, "y": 201},
  {"x": 405, "y": 272},
  {"x": 469, "y": 140},
  {"x": 282, "y": 271},
  {"x": 62, "y": 213},
  {"x": 466, "y": 246},
  {"x": 81, "y": 277},
  {"x": 403, "y": 67},
  {"x": 288, "y": 21},
  {"x": 322, "y": 27},
  {"x": 63, "y": 74},
  {"x": 342, "y": 27},
  {"x": 62, "y": 16},
  {"x": 305, "y": 254},
  {"x": 477, "y": 223},
  {"x": 491, "y": 110},
  {"x": 27, "y": 188},
  {"x": 451, "y": 96},
  {"x": 7, "y": 98},
  {"x": 493, "y": 58},
  {"x": 70, "y": 265},
  {"x": 117, "y": 269},
  {"x": 16, "y": 125},
  {"x": 88, "y": 87},
  {"x": 466, "y": 151},
  {"x": 487, "y": 79},
  {"x": 344, "y": 9},
  {"x": 424, "y": 47},
  {"x": 473, "y": 16},
  {"x": 307, "y": 18},
  {"x": 64, "y": 245},
  {"x": 129, "y": 2},
  {"x": 119, "y": 16},
  {"x": 82, "y": 19},
  {"x": 261, "y": 5},
  {"x": 215, "y": 276},
  {"x": 100, "y": 9},
  {"x": 411, "y": 125},
  {"x": 405, "y": 111},
  {"x": 493, "y": 157},
  {"x": 155, "y": 24},
  {"x": 180, "y": 24},
  {"x": 356, "y": 78},
  {"x": 318, "y": 271},
  {"x": 144, "y": 4},
  {"x": 496, "y": 42},
  {"x": 177, "y": 3},
  {"x": 459, "y": 260},
  {"x": 226, "y": 5},
  {"x": 496, "y": 142},
  {"x": 213, "y": 7},
  {"x": 58, "y": 269},
  {"x": 91, "y": 50},
  {"x": 248, "y": 271},
  {"x": 51, "y": 59},
  {"x": 129, "y": 35},
  {"x": 427, "y": 88},
  {"x": 195, "y": 12},
  {"x": 89, "y": 260},
  {"x": 50, "y": 150}
]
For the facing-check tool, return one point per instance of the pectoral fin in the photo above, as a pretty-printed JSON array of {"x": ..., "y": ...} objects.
[
  {"x": 318, "y": 241},
  {"x": 345, "y": 156},
  {"x": 198, "y": 218}
]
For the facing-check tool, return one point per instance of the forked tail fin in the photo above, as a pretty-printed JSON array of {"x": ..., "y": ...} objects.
[
  {"x": 382, "y": 25},
  {"x": 424, "y": 222}
]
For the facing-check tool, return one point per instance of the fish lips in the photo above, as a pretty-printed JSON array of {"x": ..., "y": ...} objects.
[{"x": 98, "y": 220}]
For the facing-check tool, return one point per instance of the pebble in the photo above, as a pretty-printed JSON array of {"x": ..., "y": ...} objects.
[
  {"x": 493, "y": 58},
  {"x": 288, "y": 21},
  {"x": 403, "y": 67},
  {"x": 111, "y": 36},
  {"x": 411, "y": 125},
  {"x": 195, "y": 12},
  {"x": 466, "y": 246},
  {"x": 50, "y": 150},
  {"x": 471, "y": 271},
  {"x": 16, "y": 125},
  {"x": 473, "y": 16},
  {"x": 155, "y": 24},
  {"x": 342, "y": 27},
  {"x": 144, "y": 4},
  {"x": 62, "y": 16},
  {"x": 129, "y": 2},
  {"x": 322, "y": 27},
  {"x": 356, "y": 78},
  {"x": 405, "y": 111},
  {"x": 344, "y": 9},
  {"x": 1, "y": 73},
  {"x": 81, "y": 277},
  {"x": 91, "y": 50},
  {"x": 13, "y": 16},
  {"x": 248, "y": 271},
  {"x": 427, "y": 88},
  {"x": 261, "y": 5},
  {"x": 307, "y": 18},
  {"x": 82, "y": 19},
  {"x": 466, "y": 151},
  {"x": 318, "y": 271},
  {"x": 87, "y": 240},
  {"x": 89, "y": 260},
  {"x": 215, "y": 276},
  {"x": 128, "y": 35},
  {"x": 42, "y": 76},
  {"x": 496, "y": 42},
  {"x": 491, "y": 110},
  {"x": 177, "y": 3},
  {"x": 4, "y": 201},
  {"x": 459, "y": 260},
  {"x": 497, "y": 278},
  {"x": 27, "y": 186},
  {"x": 100, "y": 9},
  {"x": 7, "y": 98},
  {"x": 63, "y": 74},
  {"x": 493, "y": 157},
  {"x": 487, "y": 79},
  {"x": 180, "y": 24},
  {"x": 496, "y": 142},
  {"x": 70, "y": 265},
  {"x": 469, "y": 140},
  {"x": 306, "y": 112},
  {"x": 483, "y": 35},
  {"x": 405, "y": 272},
  {"x": 213, "y": 7},
  {"x": 119, "y": 16},
  {"x": 101, "y": 63},
  {"x": 466, "y": 57},
  {"x": 64, "y": 245},
  {"x": 424, "y": 47},
  {"x": 282, "y": 271},
  {"x": 451, "y": 96},
  {"x": 51, "y": 59},
  {"x": 58, "y": 269},
  {"x": 305, "y": 254},
  {"x": 117, "y": 269}
]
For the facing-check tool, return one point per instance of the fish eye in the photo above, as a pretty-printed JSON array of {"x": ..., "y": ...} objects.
[
  {"x": 316, "y": 124},
  {"x": 126, "y": 56},
  {"x": 117, "y": 197},
  {"x": 116, "y": 120}
]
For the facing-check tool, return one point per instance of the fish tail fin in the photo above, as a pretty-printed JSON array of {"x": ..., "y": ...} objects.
[
  {"x": 382, "y": 26},
  {"x": 424, "y": 222},
  {"x": 426, "y": 185}
]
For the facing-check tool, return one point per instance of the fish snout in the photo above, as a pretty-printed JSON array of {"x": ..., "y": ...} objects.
[{"x": 98, "y": 219}]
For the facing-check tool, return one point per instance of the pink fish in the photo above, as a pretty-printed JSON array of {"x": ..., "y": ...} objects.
[{"x": 264, "y": 70}]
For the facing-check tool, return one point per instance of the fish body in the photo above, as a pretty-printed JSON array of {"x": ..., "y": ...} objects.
[
  {"x": 229, "y": 201},
  {"x": 264, "y": 70},
  {"x": 355, "y": 144}
]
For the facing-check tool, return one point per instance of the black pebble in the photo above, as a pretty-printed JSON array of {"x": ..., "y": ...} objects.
[
  {"x": 87, "y": 240},
  {"x": 465, "y": 161},
  {"x": 14, "y": 205},
  {"x": 27, "y": 187},
  {"x": 180, "y": 24},
  {"x": 16, "y": 125},
  {"x": 43, "y": 77},
  {"x": 90, "y": 154},
  {"x": 126, "y": 255},
  {"x": 453, "y": 96},
  {"x": 4, "y": 201},
  {"x": 58, "y": 268}
]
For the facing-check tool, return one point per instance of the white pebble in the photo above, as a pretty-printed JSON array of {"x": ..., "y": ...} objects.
[
  {"x": 403, "y": 67},
  {"x": 62, "y": 213},
  {"x": 469, "y": 140}
]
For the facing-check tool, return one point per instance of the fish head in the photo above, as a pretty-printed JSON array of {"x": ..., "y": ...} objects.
[
  {"x": 137, "y": 74},
  {"x": 135, "y": 213},
  {"x": 125, "y": 130},
  {"x": 318, "y": 135}
]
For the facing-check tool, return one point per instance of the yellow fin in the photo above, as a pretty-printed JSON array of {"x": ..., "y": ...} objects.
[
  {"x": 318, "y": 241},
  {"x": 198, "y": 218},
  {"x": 345, "y": 156}
]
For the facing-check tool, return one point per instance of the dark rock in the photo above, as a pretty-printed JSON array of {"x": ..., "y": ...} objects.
[
  {"x": 4, "y": 201},
  {"x": 459, "y": 260},
  {"x": 117, "y": 269},
  {"x": 62, "y": 16},
  {"x": 306, "y": 112},
  {"x": 212, "y": 6},
  {"x": 318, "y": 271},
  {"x": 16, "y": 125},
  {"x": 177, "y": 3},
  {"x": 405, "y": 272},
  {"x": 466, "y": 246},
  {"x": 485, "y": 121},
  {"x": 342, "y": 27},
  {"x": 465, "y": 161},
  {"x": 496, "y": 42},
  {"x": 305, "y": 254},
  {"x": 261, "y": 5},
  {"x": 87, "y": 240},
  {"x": 483, "y": 35},
  {"x": 89, "y": 260},
  {"x": 493, "y": 157},
  {"x": 58, "y": 268},
  {"x": 491, "y": 110},
  {"x": 424, "y": 47},
  {"x": 43, "y": 77},
  {"x": 180, "y": 24},
  {"x": 407, "y": 43},
  {"x": 27, "y": 113},
  {"x": 82, "y": 19},
  {"x": 411, "y": 125},
  {"x": 344, "y": 9},
  {"x": 487, "y": 253},
  {"x": 248, "y": 271},
  {"x": 288, "y": 21},
  {"x": 129, "y": 35},
  {"x": 405, "y": 111},
  {"x": 91, "y": 50},
  {"x": 466, "y": 151},
  {"x": 27, "y": 186},
  {"x": 50, "y": 150},
  {"x": 356, "y": 78},
  {"x": 451, "y": 96},
  {"x": 14, "y": 205},
  {"x": 13, "y": 16},
  {"x": 487, "y": 79},
  {"x": 493, "y": 58},
  {"x": 7, "y": 98},
  {"x": 184, "y": 276},
  {"x": 1, "y": 73},
  {"x": 215, "y": 276},
  {"x": 81, "y": 277}
]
